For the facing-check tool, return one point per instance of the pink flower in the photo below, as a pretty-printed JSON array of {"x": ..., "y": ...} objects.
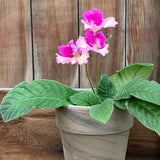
[
  {"x": 71, "y": 54},
  {"x": 94, "y": 20},
  {"x": 94, "y": 41}
]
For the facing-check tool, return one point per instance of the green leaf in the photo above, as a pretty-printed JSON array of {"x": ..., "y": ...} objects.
[
  {"x": 120, "y": 104},
  {"x": 13, "y": 111},
  {"x": 40, "y": 94},
  {"x": 105, "y": 88},
  {"x": 134, "y": 71},
  {"x": 85, "y": 98},
  {"x": 147, "y": 113},
  {"x": 102, "y": 112},
  {"x": 142, "y": 89}
]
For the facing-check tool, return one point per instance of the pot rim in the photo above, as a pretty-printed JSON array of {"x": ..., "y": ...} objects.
[
  {"x": 77, "y": 106},
  {"x": 72, "y": 118}
]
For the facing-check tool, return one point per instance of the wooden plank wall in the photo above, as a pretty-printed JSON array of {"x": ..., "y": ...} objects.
[
  {"x": 143, "y": 45},
  {"x": 15, "y": 42},
  {"x": 55, "y": 22},
  {"x": 31, "y": 30}
]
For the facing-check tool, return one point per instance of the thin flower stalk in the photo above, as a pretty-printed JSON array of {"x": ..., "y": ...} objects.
[
  {"x": 100, "y": 66},
  {"x": 98, "y": 73},
  {"x": 87, "y": 74}
]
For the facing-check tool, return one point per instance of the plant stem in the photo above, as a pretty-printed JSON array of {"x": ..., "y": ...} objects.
[
  {"x": 98, "y": 72},
  {"x": 100, "y": 65},
  {"x": 86, "y": 69}
]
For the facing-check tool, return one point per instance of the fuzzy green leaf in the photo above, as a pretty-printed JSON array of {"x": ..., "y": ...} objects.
[
  {"x": 40, "y": 94},
  {"x": 142, "y": 89},
  {"x": 13, "y": 111},
  {"x": 102, "y": 112},
  {"x": 85, "y": 98},
  {"x": 134, "y": 71},
  {"x": 120, "y": 104},
  {"x": 147, "y": 113},
  {"x": 105, "y": 88}
]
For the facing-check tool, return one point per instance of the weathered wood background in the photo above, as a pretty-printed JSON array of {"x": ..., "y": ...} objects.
[{"x": 31, "y": 30}]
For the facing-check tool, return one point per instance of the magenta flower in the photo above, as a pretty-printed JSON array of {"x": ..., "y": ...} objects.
[
  {"x": 72, "y": 54},
  {"x": 94, "y": 41},
  {"x": 94, "y": 20}
]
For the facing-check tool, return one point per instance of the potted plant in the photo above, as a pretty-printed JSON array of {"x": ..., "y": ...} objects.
[{"x": 94, "y": 124}]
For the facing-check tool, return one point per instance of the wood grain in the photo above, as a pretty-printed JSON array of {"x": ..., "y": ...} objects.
[
  {"x": 144, "y": 144},
  {"x": 115, "y": 60},
  {"x": 34, "y": 136},
  {"x": 143, "y": 33},
  {"x": 143, "y": 45},
  {"x": 15, "y": 42},
  {"x": 55, "y": 22}
]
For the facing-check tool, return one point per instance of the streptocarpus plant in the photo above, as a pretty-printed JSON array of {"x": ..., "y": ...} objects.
[{"x": 126, "y": 89}]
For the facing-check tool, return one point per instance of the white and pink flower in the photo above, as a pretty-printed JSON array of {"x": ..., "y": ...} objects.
[
  {"x": 70, "y": 53},
  {"x": 94, "y": 20},
  {"x": 94, "y": 41}
]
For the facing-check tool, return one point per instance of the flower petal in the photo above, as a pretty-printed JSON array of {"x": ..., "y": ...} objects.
[
  {"x": 95, "y": 39},
  {"x": 67, "y": 50},
  {"x": 91, "y": 27},
  {"x": 83, "y": 59},
  {"x": 109, "y": 22},
  {"x": 72, "y": 45},
  {"x": 86, "y": 25},
  {"x": 93, "y": 19},
  {"x": 81, "y": 43},
  {"x": 104, "y": 50},
  {"x": 94, "y": 16},
  {"x": 63, "y": 60}
]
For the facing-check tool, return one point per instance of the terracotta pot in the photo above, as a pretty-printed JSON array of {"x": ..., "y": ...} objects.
[{"x": 84, "y": 138}]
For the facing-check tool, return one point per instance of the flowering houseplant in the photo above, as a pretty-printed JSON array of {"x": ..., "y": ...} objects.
[{"x": 127, "y": 89}]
